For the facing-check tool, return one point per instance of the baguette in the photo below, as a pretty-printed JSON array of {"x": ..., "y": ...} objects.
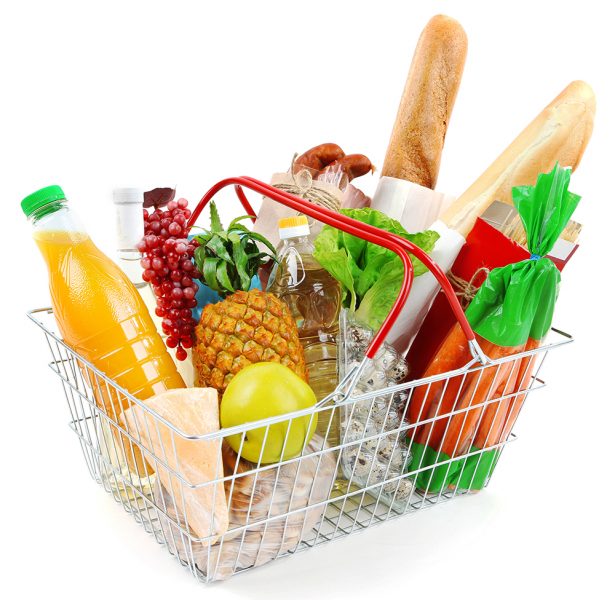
[
  {"x": 426, "y": 104},
  {"x": 559, "y": 133}
]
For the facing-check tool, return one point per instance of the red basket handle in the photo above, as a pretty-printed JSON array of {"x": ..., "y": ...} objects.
[{"x": 364, "y": 231}]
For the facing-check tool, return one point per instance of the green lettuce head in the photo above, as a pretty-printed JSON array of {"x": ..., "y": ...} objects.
[{"x": 370, "y": 275}]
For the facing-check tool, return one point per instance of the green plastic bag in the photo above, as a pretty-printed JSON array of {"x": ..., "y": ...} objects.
[{"x": 514, "y": 304}]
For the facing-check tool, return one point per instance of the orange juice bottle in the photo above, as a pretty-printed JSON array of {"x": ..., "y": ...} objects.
[{"x": 99, "y": 312}]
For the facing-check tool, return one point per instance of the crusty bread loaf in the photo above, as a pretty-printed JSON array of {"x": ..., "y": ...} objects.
[
  {"x": 559, "y": 133},
  {"x": 426, "y": 104}
]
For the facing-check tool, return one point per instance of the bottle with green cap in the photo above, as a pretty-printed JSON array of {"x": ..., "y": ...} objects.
[
  {"x": 99, "y": 312},
  {"x": 314, "y": 298}
]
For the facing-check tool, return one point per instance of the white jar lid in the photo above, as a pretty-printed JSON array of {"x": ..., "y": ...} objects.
[{"x": 128, "y": 195}]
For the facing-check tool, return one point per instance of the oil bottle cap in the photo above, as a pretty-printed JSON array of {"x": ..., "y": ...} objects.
[
  {"x": 292, "y": 227},
  {"x": 46, "y": 195}
]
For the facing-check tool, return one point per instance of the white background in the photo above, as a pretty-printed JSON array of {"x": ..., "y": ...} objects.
[{"x": 102, "y": 94}]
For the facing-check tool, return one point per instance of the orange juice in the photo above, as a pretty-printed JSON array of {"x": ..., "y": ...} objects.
[
  {"x": 103, "y": 317},
  {"x": 99, "y": 312}
]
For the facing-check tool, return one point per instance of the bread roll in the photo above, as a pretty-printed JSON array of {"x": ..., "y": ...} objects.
[
  {"x": 559, "y": 133},
  {"x": 418, "y": 135},
  {"x": 194, "y": 411}
]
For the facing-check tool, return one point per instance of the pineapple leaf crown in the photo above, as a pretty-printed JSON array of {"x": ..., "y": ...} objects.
[{"x": 229, "y": 259}]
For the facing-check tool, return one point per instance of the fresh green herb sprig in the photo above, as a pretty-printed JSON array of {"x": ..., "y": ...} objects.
[{"x": 229, "y": 259}]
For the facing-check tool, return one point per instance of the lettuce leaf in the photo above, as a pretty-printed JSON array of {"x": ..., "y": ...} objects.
[
  {"x": 370, "y": 275},
  {"x": 337, "y": 261},
  {"x": 379, "y": 299}
]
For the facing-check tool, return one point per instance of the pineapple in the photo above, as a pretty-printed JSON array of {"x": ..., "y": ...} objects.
[{"x": 245, "y": 328}]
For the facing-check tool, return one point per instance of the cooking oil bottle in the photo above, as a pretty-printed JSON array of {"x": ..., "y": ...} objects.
[{"x": 314, "y": 298}]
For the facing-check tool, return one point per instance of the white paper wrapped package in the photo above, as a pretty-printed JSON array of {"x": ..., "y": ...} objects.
[
  {"x": 414, "y": 206},
  {"x": 417, "y": 208},
  {"x": 424, "y": 289}
]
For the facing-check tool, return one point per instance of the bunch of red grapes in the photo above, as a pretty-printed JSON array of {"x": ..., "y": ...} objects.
[{"x": 168, "y": 268}]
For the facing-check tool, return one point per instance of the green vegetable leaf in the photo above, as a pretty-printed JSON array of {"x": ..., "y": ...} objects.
[
  {"x": 215, "y": 223},
  {"x": 199, "y": 257},
  {"x": 239, "y": 227},
  {"x": 236, "y": 220},
  {"x": 425, "y": 240},
  {"x": 337, "y": 262},
  {"x": 372, "y": 271},
  {"x": 229, "y": 259},
  {"x": 240, "y": 259},
  {"x": 218, "y": 248},
  {"x": 370, "y": 275},
  {"x": 223, "y": 278},
  {"x": 263, "y": 240},
  {"x": 258, "y": 256},
  {"x": 379, "y": 299},
  {"x": 209, "y": 270}
]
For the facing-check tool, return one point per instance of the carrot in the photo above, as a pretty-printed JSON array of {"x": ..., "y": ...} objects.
[
  {"x": 481, "y": 424},
  {"x": 452, "y": 354},
  {"x": 439, "y": 398},
  {"x": 478, "y": 389},
  {"x": 526, "y": 370},
  {"x": 431, "y": 433},
  {"x": 494, "y": 417},
  {"x": 496, "y": 421}
]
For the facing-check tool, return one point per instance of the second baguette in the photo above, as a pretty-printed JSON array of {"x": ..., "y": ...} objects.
[{"x": 559, "y": 133}]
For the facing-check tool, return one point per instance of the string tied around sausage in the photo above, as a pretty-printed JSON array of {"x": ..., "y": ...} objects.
[{"x": 314, "y": 191}]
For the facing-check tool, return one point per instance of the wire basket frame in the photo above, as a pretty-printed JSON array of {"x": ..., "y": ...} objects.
[
  {"x": 321, "y": 491},
  {"x": 279, "y": 509}
]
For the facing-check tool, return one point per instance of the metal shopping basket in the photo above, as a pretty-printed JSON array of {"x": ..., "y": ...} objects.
[{"x": 329, "y": 490}]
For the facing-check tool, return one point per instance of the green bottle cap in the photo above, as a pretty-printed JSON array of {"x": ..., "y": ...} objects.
[{"x": 41, "y": 197}]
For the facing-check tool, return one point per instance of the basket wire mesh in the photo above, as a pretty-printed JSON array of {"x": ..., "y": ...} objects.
[
  {"x": 325, "y": 491},
  {"x": 275, "y": 509}
]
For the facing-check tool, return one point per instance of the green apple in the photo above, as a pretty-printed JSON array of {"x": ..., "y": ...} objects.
[{"x": 262, "y": 390}]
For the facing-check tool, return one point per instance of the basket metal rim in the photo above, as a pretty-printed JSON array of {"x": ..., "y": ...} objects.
[{"x": 324, "y": 405}]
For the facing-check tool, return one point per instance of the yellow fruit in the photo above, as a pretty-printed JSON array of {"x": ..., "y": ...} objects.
[
  {"x": 267, "y": 390},
  {"x": 245, "y": 328}
]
